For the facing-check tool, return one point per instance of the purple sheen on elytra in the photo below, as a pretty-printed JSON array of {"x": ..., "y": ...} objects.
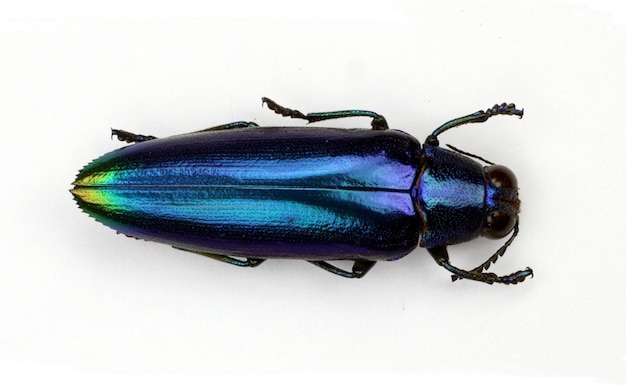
[
  {"x": 262, "y": 192},
  {"x": 305, "y": 157}
]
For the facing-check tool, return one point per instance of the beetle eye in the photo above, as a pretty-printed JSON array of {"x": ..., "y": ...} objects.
[
  {"x": 501, "y": 176},
  {"x": 499, "y": 224}
]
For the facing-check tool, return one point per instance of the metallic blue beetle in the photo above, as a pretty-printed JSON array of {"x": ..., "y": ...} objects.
[{"x": 241, "y": 194}]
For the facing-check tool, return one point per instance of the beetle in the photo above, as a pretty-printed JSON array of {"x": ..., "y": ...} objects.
[{"x": 240, "y": 193}]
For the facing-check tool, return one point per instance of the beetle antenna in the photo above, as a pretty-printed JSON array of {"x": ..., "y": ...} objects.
[
  {"x": 440, "y": 254},
  {"x": 500, "y": 252},
  {"x": 469, "y": 154}
]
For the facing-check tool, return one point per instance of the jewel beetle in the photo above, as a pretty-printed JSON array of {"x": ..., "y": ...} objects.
[{"x": 241, "y": 193}]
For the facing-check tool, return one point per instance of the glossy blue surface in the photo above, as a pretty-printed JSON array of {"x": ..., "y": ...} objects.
[
  {"x": 451, "y": 196},
  {"x": 309, "y": 193},
  {"x": 241, "y": 194}
]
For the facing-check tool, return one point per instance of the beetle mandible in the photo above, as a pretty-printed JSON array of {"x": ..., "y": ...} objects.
[{"x": 241, "y": 194}]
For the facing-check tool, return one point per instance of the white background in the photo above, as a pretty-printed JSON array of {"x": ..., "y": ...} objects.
[{"x": 78, "y": 301}]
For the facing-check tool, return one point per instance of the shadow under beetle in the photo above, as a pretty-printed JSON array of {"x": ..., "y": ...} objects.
[{"x": 240, "y": 193}]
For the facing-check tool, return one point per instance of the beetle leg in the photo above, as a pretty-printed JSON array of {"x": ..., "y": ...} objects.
[
  {"x": 479, "y": 116},
  {"x": 228, "y": 126},
  {"x": 359, "y": 268},
  {"x": 378, "y": 121},
  {"x": 126, "y": 136},
  {"x": 247, "y": 262},
  {"x": 440, "y": 254}
]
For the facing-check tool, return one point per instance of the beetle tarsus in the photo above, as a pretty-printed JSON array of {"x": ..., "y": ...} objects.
[
  {"x": 503, "y": 109},
  {"x": 359, "y": 269},
  {"x": 378, "y": 121},
  {"x": 477, "y": 117},
  {"x": 127, "y": 136},
  {"x": 284, "y": 111}
]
